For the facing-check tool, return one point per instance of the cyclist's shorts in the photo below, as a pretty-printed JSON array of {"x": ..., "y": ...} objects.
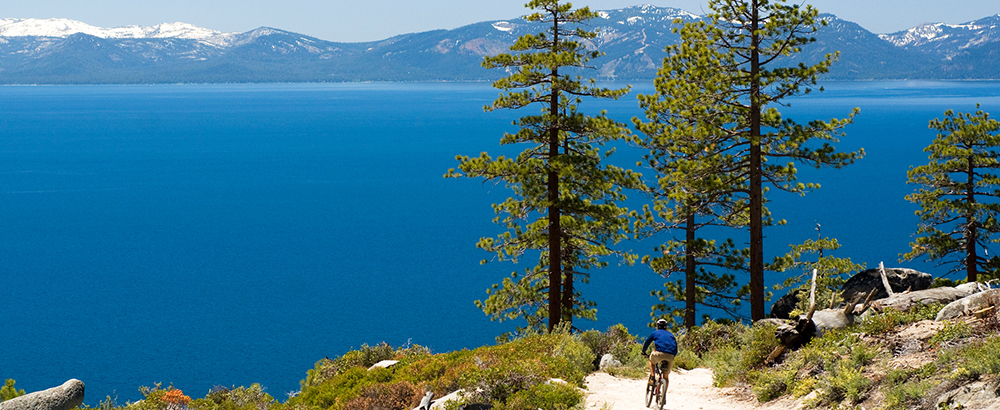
[{"x": 657, "y": 357}]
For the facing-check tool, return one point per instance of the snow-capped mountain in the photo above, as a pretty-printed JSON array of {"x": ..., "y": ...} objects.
[
  {"x": 67, "y": 27},
  {"x": 947, "y": 40},
  {"x": 61, "y": 51}
]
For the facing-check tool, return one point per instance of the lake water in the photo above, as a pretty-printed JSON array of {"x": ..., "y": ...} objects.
[{"x": 230, "y": 234}]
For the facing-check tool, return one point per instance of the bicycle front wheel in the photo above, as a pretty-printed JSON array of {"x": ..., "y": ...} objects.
[
  {"x": 650, "y": 392},
  {"x": 661, "y": 393}
]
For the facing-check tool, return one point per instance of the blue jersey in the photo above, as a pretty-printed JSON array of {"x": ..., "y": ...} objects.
[{"x": 663, "y": 341}]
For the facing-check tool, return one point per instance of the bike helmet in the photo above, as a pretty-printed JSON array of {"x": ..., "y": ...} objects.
[{"x": 661, "y": 324}]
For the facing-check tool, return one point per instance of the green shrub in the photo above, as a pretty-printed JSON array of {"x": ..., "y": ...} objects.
[
  {"x": 495, "y": 374},
  {"x": 545, "y": 396},
  {"x": 972, "y": 360},
  {"x": 725, "y": 363},
  {"x": 709, "y": 336},
  {"x": 769, "y": 384},
  {"x": 616, "y": 340},
  {"x": 952, "y": 331},
  {"x": 398, "y": 395},
  {"x": 880, "y": 323},
  {"x": 906, "y": 395},
  {"x": 687, "y": 360},
  {"x": 8, "y": 391},
  {"x": 365, "y": 357},
  {"x": 238, "y": 398},
  {"x": 494, "y": 385},
  {"x": 845, "y": 382}
]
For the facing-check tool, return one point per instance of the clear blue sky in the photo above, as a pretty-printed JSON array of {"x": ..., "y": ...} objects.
[{"x": 366, "y": 20}]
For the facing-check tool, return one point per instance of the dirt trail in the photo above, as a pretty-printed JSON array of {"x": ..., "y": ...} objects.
[{"x": 688, "y": 390}]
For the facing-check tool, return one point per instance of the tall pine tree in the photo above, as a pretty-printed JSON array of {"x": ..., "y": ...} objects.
[
  {"x": 565, "y": 198},
  {"x": 958, "y": 199},
  {"x": 749, "y": 47},
  {"x": 697, "y": 184}
]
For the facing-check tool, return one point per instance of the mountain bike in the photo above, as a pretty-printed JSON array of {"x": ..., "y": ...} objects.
[{"x": 657, "y": 386}]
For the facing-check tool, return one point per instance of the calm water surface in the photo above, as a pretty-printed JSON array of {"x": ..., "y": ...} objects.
[{"x": 230, "y": 234}]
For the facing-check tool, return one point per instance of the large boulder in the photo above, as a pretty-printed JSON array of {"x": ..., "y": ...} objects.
[
  {"x": 900, "y": 280},
  {"x": 608, "y": 360},
  {"x": 783, "y": 307},
  {"x": 904, "y": 301},
  {"x": 970, "y": 304},
  {"x": 65, "y": 397}
]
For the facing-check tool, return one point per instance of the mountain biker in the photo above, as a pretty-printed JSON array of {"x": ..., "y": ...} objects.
[{"x": 664, "y": 349}]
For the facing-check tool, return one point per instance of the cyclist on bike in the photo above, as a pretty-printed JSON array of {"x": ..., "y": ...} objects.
[{"x": 664, "y": 349}]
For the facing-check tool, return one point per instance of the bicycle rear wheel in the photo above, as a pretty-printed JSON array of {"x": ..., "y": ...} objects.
[
  {"x": 661, "y": 393},
  {"x": 650, "y": 392}
]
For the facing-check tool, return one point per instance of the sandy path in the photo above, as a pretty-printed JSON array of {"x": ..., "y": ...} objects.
[{"x": 688, "y": 390}]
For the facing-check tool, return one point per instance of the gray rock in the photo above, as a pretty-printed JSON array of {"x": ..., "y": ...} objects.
[
  {"x": 978, "y": 395},
  {"x": 385, "y": 364},
  {"x": 969, "y": 304},
  {"x": 970, "y": 288},
  {"x": 65, "y": 397},
  {"x": 829, "y": 319},
  {"x": 783, "y": 307},
  {"x": 904, "y": 301},
  {"x": 900, "y": 280},
  {"x": 609, "y": 361}
]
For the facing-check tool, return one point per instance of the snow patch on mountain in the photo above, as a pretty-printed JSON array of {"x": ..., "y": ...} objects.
[
  {"x": 503, "y": 26},
  {"x": 59, "y": 27}
]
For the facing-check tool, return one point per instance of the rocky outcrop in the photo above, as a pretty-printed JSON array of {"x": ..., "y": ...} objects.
[
  {"x": 978, "y": 395},
  {"x": 970, "y": 304},
  {"x": 900, "y": 280},
  {"x": 65, "y": 397}
]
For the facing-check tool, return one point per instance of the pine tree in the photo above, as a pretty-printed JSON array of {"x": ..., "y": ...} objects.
[
  {"x": 749, "y": 46},
  {"x": 697, "y": 184},
  {"x": 958, "y": 208},
  {"x": 831, "y": 271},
  {"x": 564, "y": 203}
]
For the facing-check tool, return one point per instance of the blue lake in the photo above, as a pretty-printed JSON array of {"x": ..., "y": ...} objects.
[{"x": 230, "y": 234}]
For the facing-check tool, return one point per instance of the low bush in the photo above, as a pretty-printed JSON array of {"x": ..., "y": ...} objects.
[
  {"x": 880, "y": 323},
  {"x": 237, "y": 398},
  {"x": 493, "y": 375},
  {"x": 8, "y": 391}
]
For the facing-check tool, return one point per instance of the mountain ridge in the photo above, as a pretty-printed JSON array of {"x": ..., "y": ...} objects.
[{"x": 632, "y": 38}]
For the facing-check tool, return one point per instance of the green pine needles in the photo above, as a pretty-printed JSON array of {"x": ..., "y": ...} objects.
[
  {"x": 959, "y": 186},
  {"x": 717, "y": 142},
  {"x": 564, "y": 207}
]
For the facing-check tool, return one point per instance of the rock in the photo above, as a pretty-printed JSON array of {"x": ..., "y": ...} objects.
[
  {"x": 783, "y": 307},
  {"x": 904, "y": 301},
  {"x": 969, "y": 304},
  {"x": 978, "y": 395},
  {"x": 829, "y": 319},
  {"x": 609, "y": 361},
  {"x": 922, "y": 330},
  {"x": 65, "y": 397},
  {"x": 439, "y": 403},
  {"x": 900, "y": 280},
  {"x": 383, "y": 364},
  {"x": 970, "y": 288}
]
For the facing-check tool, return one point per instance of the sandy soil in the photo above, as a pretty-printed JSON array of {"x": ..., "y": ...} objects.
[{"x": 688, "y": 390}]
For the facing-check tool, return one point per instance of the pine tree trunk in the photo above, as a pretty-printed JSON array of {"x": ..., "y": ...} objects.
[
  {"x": 970, "y": 223},
  {"x": 756, "y": 194},
  {"x": 689, "y": 274},
  {"x": 555, "y": 229}
]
